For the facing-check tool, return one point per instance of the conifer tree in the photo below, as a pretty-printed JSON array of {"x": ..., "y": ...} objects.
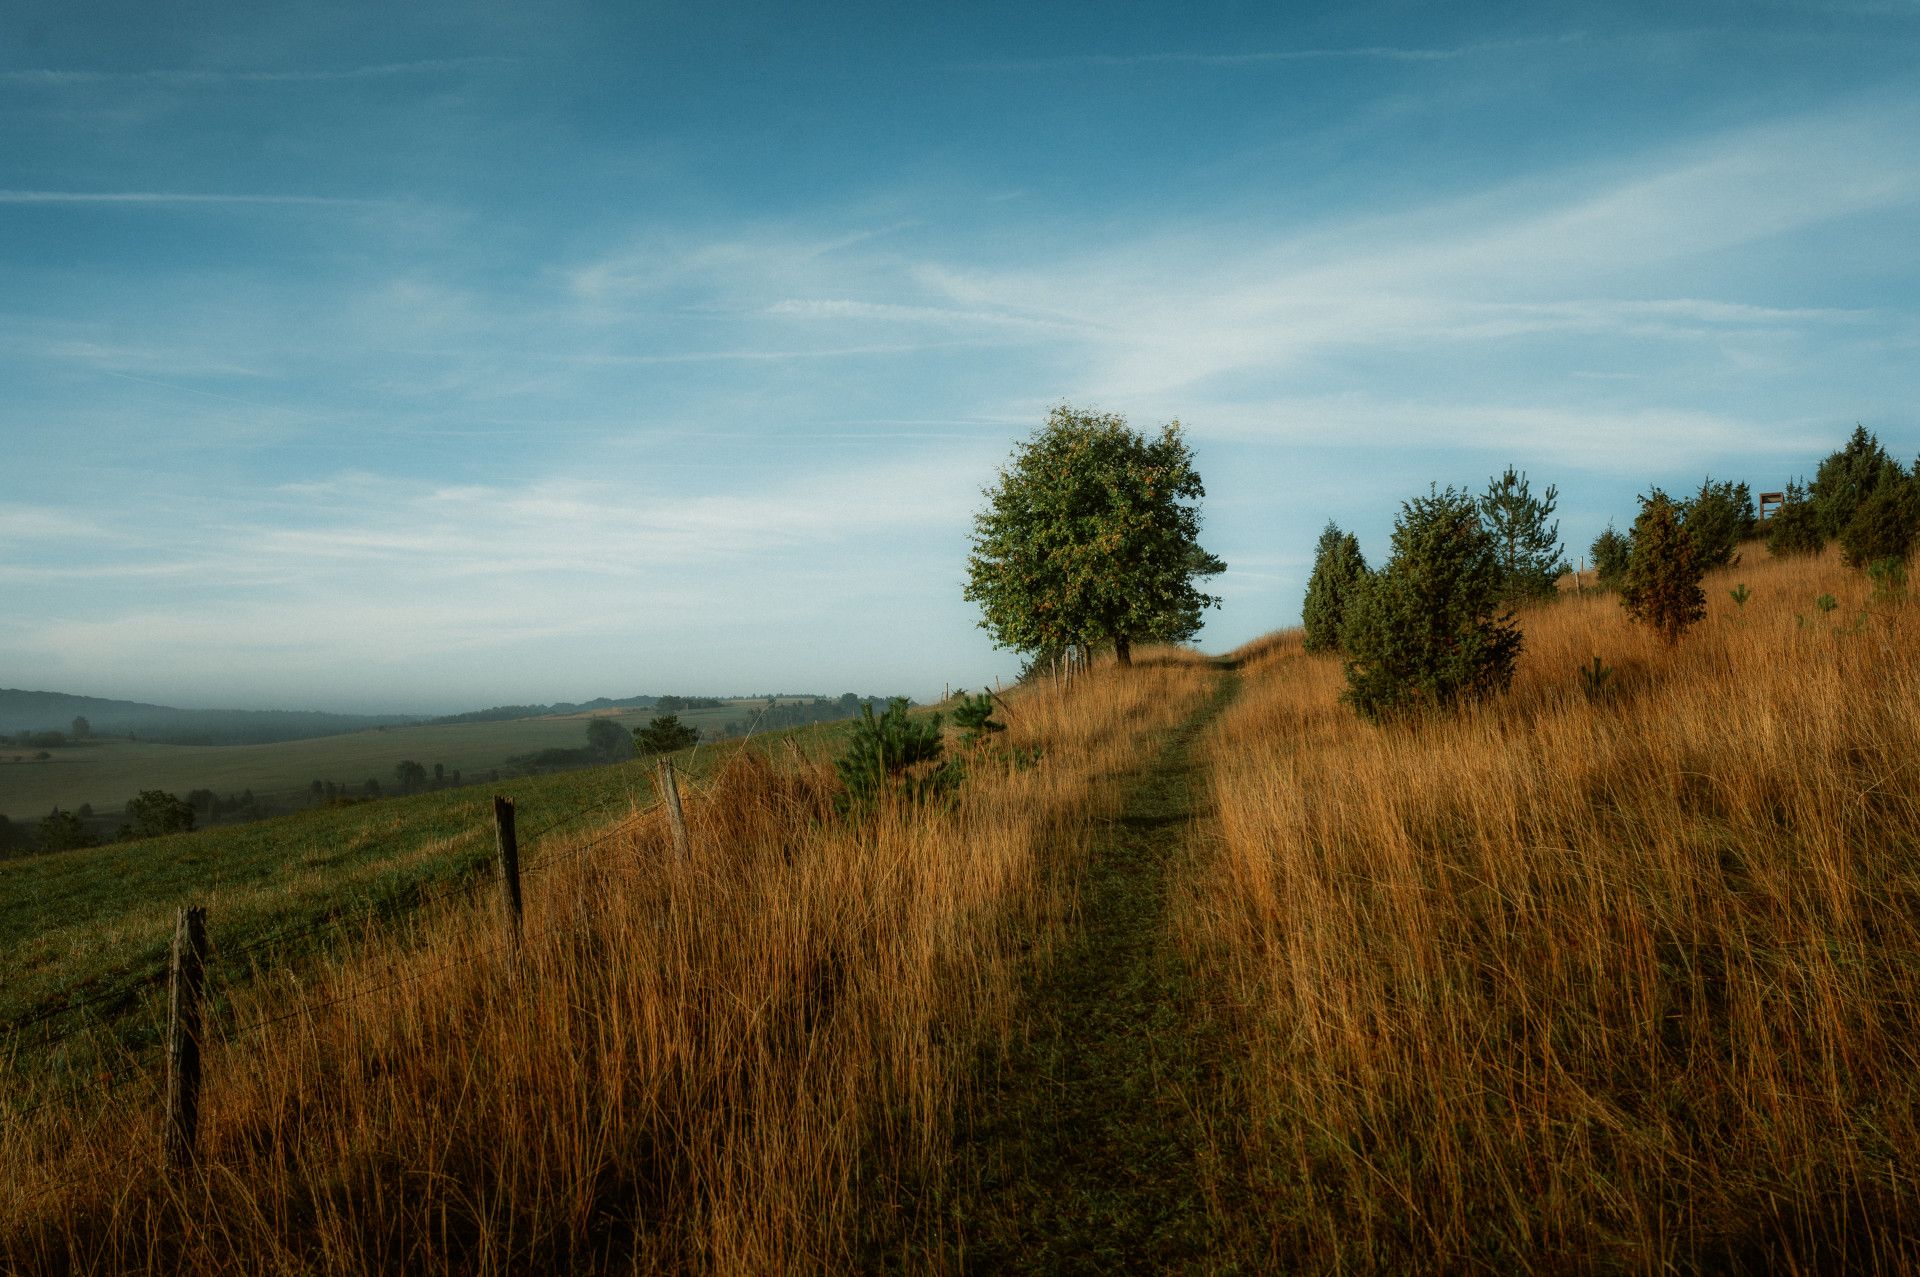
[
  {"x": 1848, "y": 477},
  {"x": 1525, "y": 535},
  {"x": 1429, "y": 628},
  {"x": 1662, "y": 589},
  {"x": 1795, "y": 526},
  {"x": 1338, "y": 569},
  {"x": 1611, "y": 552}
]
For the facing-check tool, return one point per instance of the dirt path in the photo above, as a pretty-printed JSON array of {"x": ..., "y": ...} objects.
[{"x": 1081, "y": 1153}]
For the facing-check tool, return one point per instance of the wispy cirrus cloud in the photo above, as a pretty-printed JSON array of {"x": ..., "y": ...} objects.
[
  {"x": 64, "y": 77},
  {"x": 1270, "y": 57},
  {"x": 184, "y": 197}
]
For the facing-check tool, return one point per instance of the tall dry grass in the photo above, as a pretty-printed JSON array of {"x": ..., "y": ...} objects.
[
  {"x": 1556, "y": 986},
  {"x": 746, "y": 1062}
]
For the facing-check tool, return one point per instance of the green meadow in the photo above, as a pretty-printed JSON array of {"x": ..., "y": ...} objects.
[{"x": 107, "y": 772}]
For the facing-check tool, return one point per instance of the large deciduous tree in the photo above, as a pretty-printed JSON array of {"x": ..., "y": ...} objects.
[{"x": 1092, "y": 536}]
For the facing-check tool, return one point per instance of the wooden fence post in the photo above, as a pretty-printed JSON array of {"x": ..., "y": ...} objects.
[
  {"x": 183, "y": 1033},
  {"x": 507, "y": 846},
  {"x": 670, "y": 794}
]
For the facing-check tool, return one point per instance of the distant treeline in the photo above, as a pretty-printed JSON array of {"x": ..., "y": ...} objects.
[
  {"x": 772, "y": 716},
  {"x": 503, "y": 713},
  {"x": 46, "y": 712}
]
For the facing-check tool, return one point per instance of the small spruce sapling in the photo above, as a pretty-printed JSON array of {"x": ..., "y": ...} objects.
[
  {"x": 1740, "y": 594},
  {"x": 1662, "y": 589},
  {"x": 974, "y": 716},
  {"x": 882, "y": 756},
  {"x": 1595, "y": 678}
]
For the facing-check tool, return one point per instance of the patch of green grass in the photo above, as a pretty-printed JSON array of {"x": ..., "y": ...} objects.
[
  {"x": 91, "y": 929},
  {"x": 108, "y": 771},
  {"x": 1081, "y": 1150}
]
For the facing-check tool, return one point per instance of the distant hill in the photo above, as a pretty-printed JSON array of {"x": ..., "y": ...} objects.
[{"x": 24, "y": 711}]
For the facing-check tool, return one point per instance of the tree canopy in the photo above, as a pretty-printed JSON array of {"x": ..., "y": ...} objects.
[
  {"x": 1091, "y": 536},
  {"x": 1338, "y": 570},
  {"x": 1526, "y": 537}
]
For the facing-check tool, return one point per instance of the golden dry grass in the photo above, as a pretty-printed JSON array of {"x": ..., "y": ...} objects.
[
  {"x": 1558, "y": 986},
  {"x": 745, "y": 1062}
]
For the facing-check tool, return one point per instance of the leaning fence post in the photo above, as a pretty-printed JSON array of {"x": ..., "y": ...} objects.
[
  {"x": 507, "y": 846},
  {"x": 188, "y": 975},
  {"x": 670, "y": 794}
]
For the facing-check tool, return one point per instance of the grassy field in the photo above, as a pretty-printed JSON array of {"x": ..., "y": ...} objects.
[
  {"x": 107, "y": 772},
  {"x": 84, "y": 934},
  {"x": 1195, "y": 971}
]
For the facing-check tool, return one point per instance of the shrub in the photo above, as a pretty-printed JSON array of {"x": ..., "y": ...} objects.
[
  {"x": 1883, "y": 525},
  {"x": 1662, "y": 589},
  {"x": 1610, "y": 551},
  {"x": 606, "y": 739},
  {"x": 883, "y": 754},
  {"x": 156, "y": 812},
  {"x": 62, "y": 831},
  {"x": 1847, "y": 478},
  {"x": 1338, "y": 569},
  {"x": 663, "y": 735},
  {"x": 1795, "y": 527},
  {"x": 1428, "y": 629},
  {"x": 1719, "y": 518},
  {"x": 974, "y": 715}
]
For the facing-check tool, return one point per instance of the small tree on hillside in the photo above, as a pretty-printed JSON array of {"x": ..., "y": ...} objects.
[
  {"x": 1847, "y": 478},
  {"x": 1884, "y": 525},
  {"x": 891, "y": 754},
  {"x": 1338, "y": 569},
  {"x": 410, "y": 775},
  {"x": 1091, "y": 535},
  {"x": 81, "y": 729},
  {"x": 663, "y": 735},
  {"x": 62, "y": 831},
  {"x": 1662, "y": 589},
  {"x": 1429, "y": 628},
  {"x": 1525, "y": 536},
  {"x": 1719, "y": 518},
  {"x": 1611, "y": 552},
  {"x": 607, "y": 739},
  {"x": 1795, "y": 527},
  {"x": 156, "y": 813}
]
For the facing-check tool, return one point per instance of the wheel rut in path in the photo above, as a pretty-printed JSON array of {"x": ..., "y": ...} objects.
[{"x": 1081, "y": 1151}]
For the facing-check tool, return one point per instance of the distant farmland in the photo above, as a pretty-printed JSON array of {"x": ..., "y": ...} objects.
[{"x": 107, "y": 772}]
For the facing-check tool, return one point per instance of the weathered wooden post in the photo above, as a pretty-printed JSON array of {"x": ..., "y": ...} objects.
[
  {"x": 507, "y": 848},
  {"x": 670, "y": 794},
  {"x": 188, "y": 974}
]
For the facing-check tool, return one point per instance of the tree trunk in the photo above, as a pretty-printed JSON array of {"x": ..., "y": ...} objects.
[{"x": 1123, "y": 650}]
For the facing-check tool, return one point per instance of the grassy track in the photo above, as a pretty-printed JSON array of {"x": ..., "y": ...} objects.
[{"x": 1081, "y": 1150}]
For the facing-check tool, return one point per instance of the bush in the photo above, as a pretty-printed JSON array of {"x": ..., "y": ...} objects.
[
  {"x": 1428, "y": 628},
  {"x": 663, "y": 735},
  {"x": 1883, "y": 524},
  {"x": 1719, "y": 518},
  {"x": 1847, "y": 478},
  {"x": 1795, "y": 527},
  {"x": 1338, "y": 569},
  {"x": 1611, "y": 553},
  {"x": 974, "y": 715},
  {"x": 1662, "y": 589},
  {"x": 883, "y": 754},
  {"x": 607, "y": 739},
  {"x": 63, "y": 831},
  {"x": 156, "y": 812}
]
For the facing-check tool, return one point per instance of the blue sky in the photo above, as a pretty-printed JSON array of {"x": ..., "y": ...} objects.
[{"x": 428, "y": 356}]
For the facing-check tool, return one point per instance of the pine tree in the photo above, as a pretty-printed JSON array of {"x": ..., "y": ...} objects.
[
  {"x": 1429, "y": 628},
  {"x": 1338, "y": 569},
  {"x": 1611, "y": 552},
  {"x": 1662, "y": 589},
  {"x": 1848, "y": 477},
  {"x": 1527, "y": 543},
  {"x": 1720, "y": 516}
]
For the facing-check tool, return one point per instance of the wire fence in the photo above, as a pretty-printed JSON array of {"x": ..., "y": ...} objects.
[{"x": 456, "y": 889}]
